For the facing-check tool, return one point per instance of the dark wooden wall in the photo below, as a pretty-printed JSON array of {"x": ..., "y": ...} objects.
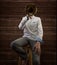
[{"x": 11, "y": 12}]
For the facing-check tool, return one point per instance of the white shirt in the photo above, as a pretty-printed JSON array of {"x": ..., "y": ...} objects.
[{"x": 32, "y": 28}]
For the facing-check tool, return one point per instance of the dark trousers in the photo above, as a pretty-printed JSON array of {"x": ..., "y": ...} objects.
[{"x": 18, "y": 45}]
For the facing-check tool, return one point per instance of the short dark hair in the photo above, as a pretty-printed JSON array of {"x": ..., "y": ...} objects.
[{"x": 31, "y": 8}]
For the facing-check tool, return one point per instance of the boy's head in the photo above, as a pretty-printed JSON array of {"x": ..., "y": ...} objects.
[{"x": 31, "y": 9}]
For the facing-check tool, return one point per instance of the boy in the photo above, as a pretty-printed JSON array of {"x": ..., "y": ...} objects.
[{"x": 33, "y": 34}]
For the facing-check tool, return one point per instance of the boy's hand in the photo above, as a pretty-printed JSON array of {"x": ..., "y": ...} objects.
[{"x": 37, "y": 48}]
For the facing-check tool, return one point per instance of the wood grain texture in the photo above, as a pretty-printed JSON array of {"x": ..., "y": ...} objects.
[
  {"x": 27, "y": 0},
  {"x": 11, "y": 13}
]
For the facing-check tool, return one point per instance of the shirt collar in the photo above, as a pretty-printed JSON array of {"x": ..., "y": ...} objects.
[{"x": 31, "y": 16}]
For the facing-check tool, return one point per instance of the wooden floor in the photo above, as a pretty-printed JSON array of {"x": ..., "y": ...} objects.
[{"x": 11, "y": 13}]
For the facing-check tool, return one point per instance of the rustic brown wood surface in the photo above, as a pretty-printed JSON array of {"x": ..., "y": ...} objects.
[{"x": 11, "y": 13}]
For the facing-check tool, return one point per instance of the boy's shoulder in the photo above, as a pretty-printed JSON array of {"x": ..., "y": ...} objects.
[{"x": 37, "y": 17}]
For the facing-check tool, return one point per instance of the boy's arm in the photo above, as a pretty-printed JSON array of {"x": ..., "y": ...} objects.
[
  {"x": 40, "y": 28},
  {"x": 40, "y": 32},
  {"x": 22, "y": 23}
]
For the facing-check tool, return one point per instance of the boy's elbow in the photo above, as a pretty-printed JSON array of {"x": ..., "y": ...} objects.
[{"x": 19, "y": 26}]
